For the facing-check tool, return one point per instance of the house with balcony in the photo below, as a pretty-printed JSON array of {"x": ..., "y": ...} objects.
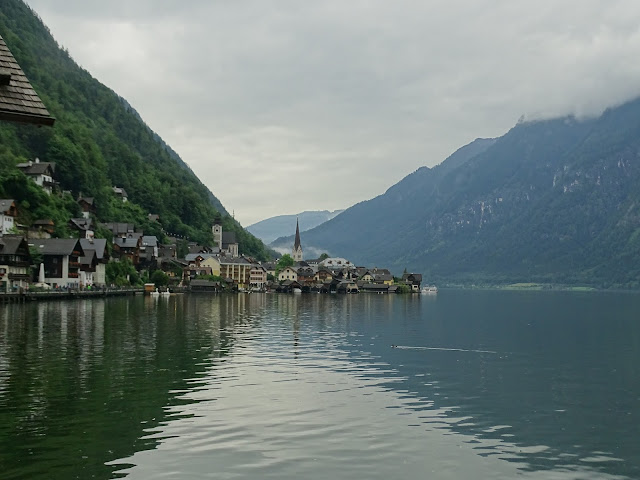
[
  {"x": 128, "y": 247},
  {"x": 15, "y": 263},
  {"x": 8, "y": 213},
  {"x": 93, "y": 264},
  {"x": 40, "y": 172},
  {"x": 61, "y": 258},
  {"x": 258, "y": 277}
]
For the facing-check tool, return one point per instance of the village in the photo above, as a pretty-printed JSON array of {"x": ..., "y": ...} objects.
[{"x": 32, "y": 260}]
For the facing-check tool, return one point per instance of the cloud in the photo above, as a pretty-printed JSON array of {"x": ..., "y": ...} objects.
[{"x": 284, "y": 106}]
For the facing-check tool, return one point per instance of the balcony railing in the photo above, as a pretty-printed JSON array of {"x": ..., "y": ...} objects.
[{"x": 73, "y": 275}]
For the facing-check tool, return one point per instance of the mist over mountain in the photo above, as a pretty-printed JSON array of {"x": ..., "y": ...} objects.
[
  {"x": 553, "y": 201},
  {"x": 272, "y": 228}
]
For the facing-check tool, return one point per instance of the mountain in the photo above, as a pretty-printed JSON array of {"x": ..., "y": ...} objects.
[
  {"x": 98, "y": 141},
  {"x": 554, "y": 201},
  {"x": 271, "y": 228}
]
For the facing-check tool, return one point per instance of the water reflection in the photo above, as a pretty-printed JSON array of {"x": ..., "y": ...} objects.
[{"x": 287, "y": 386}]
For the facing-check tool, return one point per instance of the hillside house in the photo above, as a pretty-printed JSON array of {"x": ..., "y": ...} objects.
[
  {"x": 8, "y": 213},
  {"x": 121, "y": 193},
  {"x": 149, "y": 249},
  {"x": 43, "y": 228},
  {"x": 128, "y": 247},
  {"x": 88, "y": 206},
  {"x": 15, "y": 263},
  {"x": 61, "y": 258},
  {"x": 83, "y": 227},
  {"x": 40, "y": 172}
]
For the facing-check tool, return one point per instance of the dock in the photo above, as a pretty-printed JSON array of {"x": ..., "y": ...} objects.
[{"x": 27, "y": 296}]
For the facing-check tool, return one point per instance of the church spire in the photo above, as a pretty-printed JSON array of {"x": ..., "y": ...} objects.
[
  {"x": 296, "y": 244},
  {"x": 296, "y": 253}
]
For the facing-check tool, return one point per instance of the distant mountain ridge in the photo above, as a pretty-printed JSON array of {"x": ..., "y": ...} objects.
[
  {"x": 554, "y": 201},
  {"x": 272, "y": 228}
]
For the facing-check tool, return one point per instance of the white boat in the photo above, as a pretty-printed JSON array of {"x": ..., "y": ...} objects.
[
  {"x": 429, "y": 290},
  {"x": 297, "y": 290}
]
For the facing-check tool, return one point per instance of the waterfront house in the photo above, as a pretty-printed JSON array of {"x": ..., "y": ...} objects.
[
  {"x": 238, "y": 269},
  {"x": 93, "y": 264},
  {"x": 40, "y": 172},
  {"x": 8, "y": 213},
  {"x": 322, "y": 275},
  {"x": 306, "y": 276},
  {"x": 205, "y": 286},
  {"x": 413, "y": 280},
  {"x": 15, "y": 263},
  {"x": 61, "y": 258},
  {"x": 288, "y": 273},
  {"x": 258, "y": 277},
  {"x": 383, "y": 278}
]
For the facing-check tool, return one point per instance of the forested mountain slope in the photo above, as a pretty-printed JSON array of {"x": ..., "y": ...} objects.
[
  {"x": 98, "y": 141},
  {"x": 551, "y": 201}
]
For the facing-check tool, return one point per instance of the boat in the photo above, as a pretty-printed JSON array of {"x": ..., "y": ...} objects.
[
  {"x": 297, "y": 290},
  {"x": 429, "y": 290}
]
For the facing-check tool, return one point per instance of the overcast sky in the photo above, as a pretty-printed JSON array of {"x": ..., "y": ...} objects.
[{"x": 289, "y": 105}]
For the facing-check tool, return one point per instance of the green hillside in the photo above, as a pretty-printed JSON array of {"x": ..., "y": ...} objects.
[
  {"x": 98, "y": 141},
  {"x": 553, "y": 201}
]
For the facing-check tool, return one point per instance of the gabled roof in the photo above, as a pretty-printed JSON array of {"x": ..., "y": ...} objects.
[
  {"x": 6, "y": 205},
  {"x": 18, "y": 100},
  {"x": 99, "y": 245},
  {"x": 37, "y": 167},
  {"x": 149, "y": 241},
  {"x": 126, "y": 242},
  {"x": 58, "y": 246},
  {"x": 81, "y": 223},
  {"x": 12, "y": 244}
]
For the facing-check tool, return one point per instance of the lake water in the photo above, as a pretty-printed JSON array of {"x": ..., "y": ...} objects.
[{"x": 464, "y": 385}]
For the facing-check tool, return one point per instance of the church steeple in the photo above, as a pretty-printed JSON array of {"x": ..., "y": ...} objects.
[{"x": 297, "y": 246}]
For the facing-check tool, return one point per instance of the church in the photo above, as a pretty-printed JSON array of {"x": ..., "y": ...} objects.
[{"x": 296, "y": 253}]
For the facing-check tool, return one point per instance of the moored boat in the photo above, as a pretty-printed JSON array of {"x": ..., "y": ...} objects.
[{"x": 429, "y": 290}]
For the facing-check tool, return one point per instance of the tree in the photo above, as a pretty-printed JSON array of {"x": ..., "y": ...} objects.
[
  {"x": 284, "y": 262},
  {"x": 160, "y": 278}
]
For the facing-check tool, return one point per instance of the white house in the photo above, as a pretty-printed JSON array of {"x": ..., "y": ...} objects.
[{"x": 8, "y": 212}]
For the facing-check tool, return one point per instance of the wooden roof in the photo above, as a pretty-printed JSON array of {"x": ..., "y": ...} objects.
[{"x": 19, "y": 102}]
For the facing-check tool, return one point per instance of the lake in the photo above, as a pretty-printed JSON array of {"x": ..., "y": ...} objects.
[{"x": 462, "y": 385}]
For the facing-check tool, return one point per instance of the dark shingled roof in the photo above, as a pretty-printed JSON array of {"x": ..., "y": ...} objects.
[
  {"x": 5, "y": 205},
  {"x": 19, "y": 102},
  {"x": 58, "y": 246}
]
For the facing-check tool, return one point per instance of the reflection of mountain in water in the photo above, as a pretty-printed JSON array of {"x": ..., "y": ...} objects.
[
  {"x": 93, "y": 378},
  {"x": 560, "y": 392}
]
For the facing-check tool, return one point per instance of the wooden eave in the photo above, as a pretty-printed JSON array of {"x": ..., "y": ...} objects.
[{"x": 19, "y": 102}]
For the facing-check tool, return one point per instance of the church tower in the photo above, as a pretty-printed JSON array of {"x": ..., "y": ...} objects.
[
  {"x": 297, "y": 247},
  {"x": 217, "y": 235}
]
